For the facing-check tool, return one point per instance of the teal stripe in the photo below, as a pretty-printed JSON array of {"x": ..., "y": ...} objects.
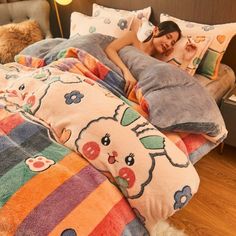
[
  {"x": 55, "y": 152},
  {"x": 20, "y": 174}
]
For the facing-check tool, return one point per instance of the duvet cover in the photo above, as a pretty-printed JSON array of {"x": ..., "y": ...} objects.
[{"x": 75, "y": 104}]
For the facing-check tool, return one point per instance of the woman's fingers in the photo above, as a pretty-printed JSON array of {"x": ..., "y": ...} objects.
[
  {"x": 130, "y": 87},
  {"x": 126, "y": 86},
  {"x": 190, "y": 47}
]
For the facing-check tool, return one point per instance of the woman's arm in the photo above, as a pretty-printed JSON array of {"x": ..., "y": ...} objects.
[{"x": 112, "y": 52}]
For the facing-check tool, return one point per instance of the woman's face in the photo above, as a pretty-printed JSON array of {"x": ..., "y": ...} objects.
[{"x": 166, "y": 42}]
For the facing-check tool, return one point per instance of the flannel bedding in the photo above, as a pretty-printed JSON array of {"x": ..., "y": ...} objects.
[
  {"x": 96, "y": 124},
  {"x": 195, "y": 123},
  {"x": 70, "y": 97},
  {"x": 174, "y": 100},
  {"x": 46, "y": 188}
]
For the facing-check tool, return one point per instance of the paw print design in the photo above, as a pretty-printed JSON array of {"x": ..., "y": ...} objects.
[
  {"x": 182, "y": 197},
  {"x": 73, "y": 97},
  {"x": 39, "y": 163},
  {"x": 122, "y": 24},
  {"x": 107, "y": 21}
]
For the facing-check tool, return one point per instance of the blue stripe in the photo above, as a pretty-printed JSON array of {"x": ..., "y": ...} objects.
[{"x": 19, "y": 135}]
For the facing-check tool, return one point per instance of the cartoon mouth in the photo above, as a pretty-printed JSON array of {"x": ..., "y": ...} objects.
[{"x": 112, "y": 158}]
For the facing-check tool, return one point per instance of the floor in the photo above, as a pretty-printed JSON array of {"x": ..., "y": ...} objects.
[{"x": 212, "y": 211}]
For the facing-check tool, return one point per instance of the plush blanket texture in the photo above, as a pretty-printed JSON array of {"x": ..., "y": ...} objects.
[
  {"x": 93, "y": 122},
  {"x": 46, "y": 188},
  {"x": 173, "y": 99}
]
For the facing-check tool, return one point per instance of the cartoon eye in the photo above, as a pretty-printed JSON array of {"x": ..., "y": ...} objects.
[
  {"x": 129, "y": 160},
  {"x": 106, "y": 140},
  {"x": 22, "y": 87}
]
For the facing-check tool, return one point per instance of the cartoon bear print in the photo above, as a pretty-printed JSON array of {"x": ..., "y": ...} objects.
[{"x": 127, "y": 146}]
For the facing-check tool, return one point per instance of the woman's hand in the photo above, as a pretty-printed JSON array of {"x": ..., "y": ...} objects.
[
  {"x": 190, "y": 51},
  {"x": 130, "y": 81}
]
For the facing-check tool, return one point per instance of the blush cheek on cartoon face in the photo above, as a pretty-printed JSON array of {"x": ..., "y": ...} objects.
[
  {"x": 18, "y": 91},
  {"x": 117, "y": 149}
]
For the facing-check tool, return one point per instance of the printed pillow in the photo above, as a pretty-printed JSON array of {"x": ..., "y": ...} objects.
[
  {"x": 145, "y": 30},
  {"x": 221, "y": 36},
  {"x": 176, "y": 57},
  {"x": 101, "y": 11},
  {"x": 17, "y": 36},
  {"x": 113, "y": 26},
  {"x": 188, "y": 62}
]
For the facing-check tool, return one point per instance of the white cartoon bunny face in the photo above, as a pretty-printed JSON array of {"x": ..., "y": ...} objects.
[{"x": 117, "y": 148}]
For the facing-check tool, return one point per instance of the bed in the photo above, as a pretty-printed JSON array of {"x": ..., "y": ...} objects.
[{"x": 66, "y": 168}]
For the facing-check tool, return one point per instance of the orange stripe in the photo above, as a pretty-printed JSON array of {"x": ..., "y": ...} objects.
[
  {"x": 37, "y": 189},
  {"x": 86, "y": 216}
]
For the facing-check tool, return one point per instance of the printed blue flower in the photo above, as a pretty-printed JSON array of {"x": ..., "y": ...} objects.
[
  {"x": 122, "y": 24},
  {"x": 73, "y": 97},
  {"x": 182, "y": 197}
]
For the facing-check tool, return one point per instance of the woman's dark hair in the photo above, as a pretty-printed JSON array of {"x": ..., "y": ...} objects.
[{"x": 166, "y": 27}]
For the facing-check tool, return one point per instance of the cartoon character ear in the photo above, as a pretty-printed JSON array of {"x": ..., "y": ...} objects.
[
  {"x": 129, "y": 116},
  {"x": 153, "y": 142}
]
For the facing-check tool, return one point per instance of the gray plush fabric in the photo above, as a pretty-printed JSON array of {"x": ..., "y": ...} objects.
[
  {"x": 93, "y": 44},
  {"x": 175, "y": 99}
]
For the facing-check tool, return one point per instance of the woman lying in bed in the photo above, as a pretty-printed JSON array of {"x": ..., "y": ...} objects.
[{"x": 160, "y": 42}]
